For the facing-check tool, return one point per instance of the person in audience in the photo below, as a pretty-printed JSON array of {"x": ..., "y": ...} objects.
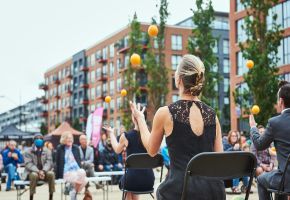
[
  {"x": 136, "y": 179},
  {"x": 109, "y": 160},
  {"x": 264, "y": 161},
  {"x": 277, "y": 131},
  {"x": 12, "y": 157},
  {"x": 234, "y": 144},
  {"x": 68, "y": 164},
  {"x": 50, "y": 147},
  {"x": 87, "y": 156},
  {"x": 190, "y": 127},
  {"x": 39, "y": 166},
  {"x": 103, "y": 142}
]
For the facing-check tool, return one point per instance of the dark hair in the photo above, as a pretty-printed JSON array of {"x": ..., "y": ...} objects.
[
  {"x": 284, "y": 93},
  {"x": 260, "y": 126},
  {"x": 193, "y": 84}
]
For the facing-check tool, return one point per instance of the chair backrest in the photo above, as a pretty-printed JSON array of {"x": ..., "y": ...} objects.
[
  {"x": 282, "y": 183},
  {"x": 144, "y": 161},
  {"x": 226, "y": 165}
]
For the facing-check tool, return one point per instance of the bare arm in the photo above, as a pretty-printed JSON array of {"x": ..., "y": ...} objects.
[
  {"x": 151, "y": 141},
  {"x": 117, "y": 146},
  {"x": 218, "y": 144}
]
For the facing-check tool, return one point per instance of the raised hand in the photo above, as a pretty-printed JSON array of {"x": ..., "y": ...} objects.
[{"x": 137, "y": 112}]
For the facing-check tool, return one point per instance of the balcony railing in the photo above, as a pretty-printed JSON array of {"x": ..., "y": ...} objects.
[
  {"x": 44, "y": 100},
  {"x": 43, "y": 86}
]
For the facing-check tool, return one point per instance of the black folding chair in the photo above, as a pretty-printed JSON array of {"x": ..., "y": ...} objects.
[
  {"x": 223, "y": 166},
  {"x": 141, "y": 161},
  {"x": 280, "y": 191}
]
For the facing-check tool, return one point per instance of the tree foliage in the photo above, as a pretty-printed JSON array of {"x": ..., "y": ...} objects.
[
  {"x": 155, "y": 63},
  {"x": 201, "y": 44},
  {"x": 261, "y": 46}
]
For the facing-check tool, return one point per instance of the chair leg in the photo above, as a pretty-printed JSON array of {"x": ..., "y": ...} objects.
[
  {"x": 123, "y": 195},
  {"x": 152, "y": 196},
  {"x": 271, "y": 196}
]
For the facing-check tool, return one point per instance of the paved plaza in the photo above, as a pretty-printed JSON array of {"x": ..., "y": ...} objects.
[{"x": 114, "y": 194}]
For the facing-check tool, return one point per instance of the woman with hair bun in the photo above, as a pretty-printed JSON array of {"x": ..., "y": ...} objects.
[{"x": 190, "y": 127}]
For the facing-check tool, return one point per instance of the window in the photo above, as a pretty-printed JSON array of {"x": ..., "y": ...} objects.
[
  {"x": 220, "y": 23},
  {"x": 119, "y": 64},
  {"x": 276, "y": 10},
  {"x": 176, "y": 42},
  {"x": 215, "y": 67},
  {"x": 241, "y": 33},
  {"x": 215, "y": 48},
  {"x": 286, "y": 53},
  {"x": 112, "y": 50},
  {"x": 104, "y": 70},
  {"x": 112, "y": 69},
  {"x": 226, "y": 46},
  {"x": 92, "y": 74},
  {"x": 239, "y": 6},
  {"x": 226, "y": 84},
  {"x": 98, "y": 91},
  {"x": 286, "y": 14},
  {"x": 175, "y": 98},
  {"x": 119, "y": 103},
  {"x": 175, "y": 60},
  {"x": 226, "y": 65},
  {"x": 226, "y": 101},
  {"x": 93, "y": 93},
  {"x": 104, "y": 53},
  {"x": 241, "y": 64},
  {"x": 75, "y": 67},
  {"x": 112, "y": 87},
  {"x": 98, "y": 73},
  {"x": 119, "y": 84}
]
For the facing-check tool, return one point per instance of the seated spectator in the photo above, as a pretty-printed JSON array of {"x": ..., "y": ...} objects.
[
  {"x": 68, "y": 164},
  {"x": 102, "y": 143},
  {"x": 11, "y": 158},
  {"x": 87, "y": 156},
  {"x": 136, "y": 179},
  {"x": 109, "y": 160},
  {"x": 50, "y": 147},
  {"x": 39, "y": 166},
  {"x": 264, "y": 161},
  {"x": 234, "y": 144}
]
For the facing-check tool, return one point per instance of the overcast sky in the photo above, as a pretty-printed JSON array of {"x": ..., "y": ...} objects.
[{"x": 37, "y": 34}]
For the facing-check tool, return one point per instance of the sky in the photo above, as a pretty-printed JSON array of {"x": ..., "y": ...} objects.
[{"x": 38, "y": 34}]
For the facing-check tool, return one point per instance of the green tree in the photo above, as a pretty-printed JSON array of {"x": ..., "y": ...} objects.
[
  {"x": 76, "y": 124},
  {"x": 261, "y": 46},
  {"x": 135, "y": 46},
  {"x": 201, "y": 44},
  {"x": 155, "y": 63},
  {"x": 43, "y": 129}
]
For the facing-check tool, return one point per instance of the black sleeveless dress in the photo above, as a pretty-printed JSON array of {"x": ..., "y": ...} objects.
[
  {"x": 137, "y": 179},
  {"x": 183, "y": 144}
]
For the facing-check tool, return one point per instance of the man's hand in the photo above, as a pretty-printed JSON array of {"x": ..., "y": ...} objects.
[
  {"x": 101, "y": 167},
  {"x": 41, "y": 175},
  {"x": 252, "y": 121},
  {"x": 14, "y": 156},
  {"x": 237, "y": 146},
  {"x": 9, "y": 154}
]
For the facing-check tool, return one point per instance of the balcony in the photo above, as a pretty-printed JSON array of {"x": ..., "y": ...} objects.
[
  {"x": 68, "y": 90},
  {"x": 43, "y": 100},
  {"x": 57, "y": 110},
  {"x": 85, "y": 101},
  {"x": 56, "y": 96},
  {"x": 143, "y": 88},
  {"x": 56, "y": 81},
  {"x": 68, "y": 107},
  {"x": 84, "y": 68},
  {"x": 43, "y": 86},
  {"x": 44, "y": 113},
  {"x": 103, "y": 77},
  {"x": 84, "y": 85},
  {"x": 102, "y": 60},
  {"x": 68, "y": 76},
  {"x": 83, "y": 119}
]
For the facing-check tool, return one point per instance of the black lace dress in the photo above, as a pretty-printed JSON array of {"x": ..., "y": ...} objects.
[{"x": 183, "y": 144}]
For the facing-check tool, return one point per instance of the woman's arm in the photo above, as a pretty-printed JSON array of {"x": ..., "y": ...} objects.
[
  {"x": 218, "y": 144},
  {"x": 151, "y": 141},
  {"x": 117, "y": 146}
]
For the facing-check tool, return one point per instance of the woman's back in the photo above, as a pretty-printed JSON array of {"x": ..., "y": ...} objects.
[{"x": 184, "y": 143}]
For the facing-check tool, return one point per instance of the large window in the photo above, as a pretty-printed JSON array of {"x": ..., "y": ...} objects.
[
  {"x": 176, "y": 42},
  {"x": 286, "y": 53},
  {"x": 226, "y": 65},
  {"x": 241, "y": 64},
  {"x": 220, "y": 23},
  {"x": 112, "y": 69},
  {"x": 276, "y": 10},
  {"x": 239, "y": 6},
  {"x": 226, "y": 46},
  {"x": 226, "y": 84},
  {"x": 286, "y": 14},
  {"x": 112, "y": 50},
  {"x": 241, "y": 33},
  {"x": 112, "y": 87},
  {"x": 175, "y": 60},
  {"x": 215, "y": 48}
]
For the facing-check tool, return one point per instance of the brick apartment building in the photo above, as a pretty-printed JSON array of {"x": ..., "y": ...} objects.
[
  {"x": 78, "y": 85},
  {"x": 237, "y": 34}
]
